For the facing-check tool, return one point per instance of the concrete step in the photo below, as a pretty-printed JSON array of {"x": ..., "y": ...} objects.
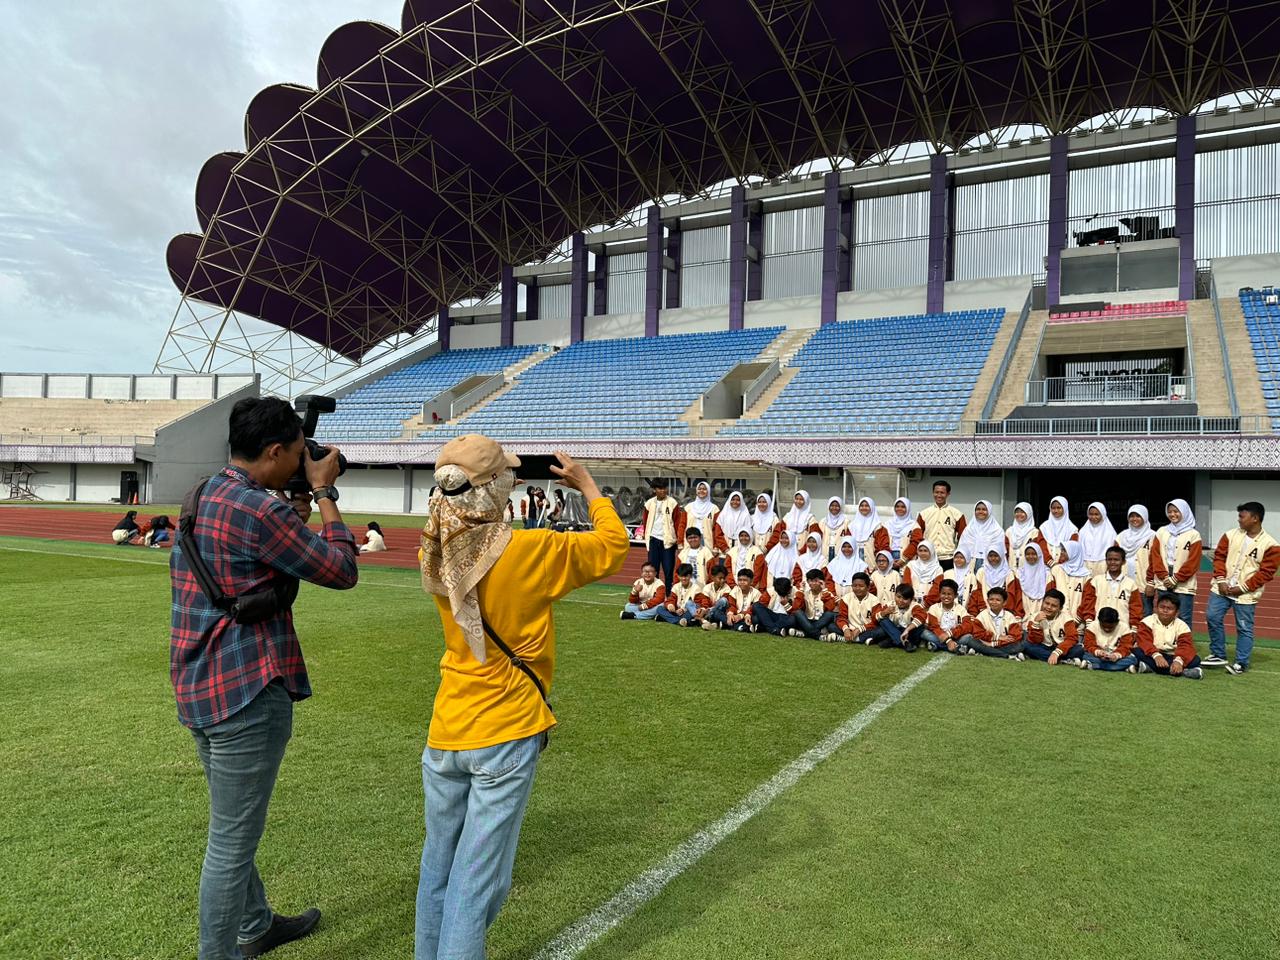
[
  {"x": 1244, "y": 368},
  {"x": 987, "y": 376},
  {"x": 1013, "y": 391},
  {"x": 415, "y": 426},
  {"x": 771, "y": 393}
]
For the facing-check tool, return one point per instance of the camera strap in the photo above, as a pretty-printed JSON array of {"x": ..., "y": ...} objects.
[
  {"x": 517, "y": 663},
  {"x": 187, "y": 544}
]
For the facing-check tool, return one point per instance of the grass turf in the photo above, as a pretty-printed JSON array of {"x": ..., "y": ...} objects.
[{"x": 958, "y": 825}]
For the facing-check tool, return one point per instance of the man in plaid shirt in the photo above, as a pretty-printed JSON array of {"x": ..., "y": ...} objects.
[{"x": 235, "y": 683}]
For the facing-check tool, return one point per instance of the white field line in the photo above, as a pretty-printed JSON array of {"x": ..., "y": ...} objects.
[{"x": 578, "y": 936}]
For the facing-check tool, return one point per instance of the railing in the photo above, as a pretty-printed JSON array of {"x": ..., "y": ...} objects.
[
  {"x": 125, "y": 386},
  {"x": 1234, "y": 405},
  {"x": 761, "y": 384},
  {"x": 1009, "y": 351},
  {"x": 473, "y": 396},
  {"x": 1134, "y": 388},
  {"x": 1104, "y": 426},
  {"x": 74, "y": 440}
]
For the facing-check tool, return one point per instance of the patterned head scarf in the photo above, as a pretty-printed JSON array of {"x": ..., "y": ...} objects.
[{"x": 461, "y": 541}]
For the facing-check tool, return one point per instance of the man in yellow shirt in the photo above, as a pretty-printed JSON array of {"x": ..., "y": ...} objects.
[{"x": 494, "y": 588}]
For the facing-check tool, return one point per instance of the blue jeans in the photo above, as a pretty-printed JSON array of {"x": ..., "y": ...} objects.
[
  {"x": 1099, "y": 664},
  {"x": 663, "y": 560},
  {"x": 688, "y": 613},
  {"x": 241, "y": 757},
  {"x": 1217, "y": 615},
  {"x": 1037, "y": 651},
  {"x": 814, "y": 629},
  {"x": 990, "y": 650},
  {"x": 889, "y": 634},
  {"x": 641, "y": 614},
  {"x": 771, "y": 622},
  {"x": 1150, "y": 661},
  {"x": 475, "y": 803}
]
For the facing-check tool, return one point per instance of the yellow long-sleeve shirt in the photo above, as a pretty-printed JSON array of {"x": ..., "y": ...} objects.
[{"x": 480, "y": 704}]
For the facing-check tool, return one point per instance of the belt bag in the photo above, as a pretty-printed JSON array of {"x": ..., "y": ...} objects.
[{"x": 523, "y": 668}]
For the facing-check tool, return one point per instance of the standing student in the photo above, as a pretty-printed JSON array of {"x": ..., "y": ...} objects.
[
  {"x": 800, "y": 520},
  {"x": 681, "y": 606},
  {"x": 995, "y": 631},
  {"x": 834, "y": 526},
  {"x": 745, "y": 554},
  {"x": 898, "y": 623},
  {"x": 1174, "y": 558},
  {"x": 775, "y": 611},
  {"x": 811, "y": 558},
  {"x": 765, "y": 524},
  {"x": 964, "y": 577},
  {"x": 1071, "y": 576},
  {"x": 924, "y": 574},
  {"x": 1052, "y": 633},
  {"x": 741, "y": 599},
  {"x": 884, "y": 578},
  {"x": 1165, "y": 645},
  {"x": 816, "y": 617},
  {"x": 647, "y": 596},
  {"x": 899, "y": 527},
  {"x": 981, "y": 534},
  {"x": 1243, "y": 564},
  {"x": 1115, "y": 589},
  {"x": 731, "y": 521},
  {"x": 1022, "y": 532},
  {"x": 1135, "y": 540},
  {"x": 855, "y": 608},
  {"x": 869, "y": 534},
  {"x": 660, "y": 516},
  {"x": 713, "y": 598},
  {"x": 696, "y": 553},
  {"x": 1096, "y": 536},
  {"x": 996, "y": 573},
  {"x": 1108, "y": 644},
  {"x": 1058, "y": 530},
  {"x": 1034, "y": 581},
  {"x": 941, "y": 524},
  {"x": 947, "y": 625},
  {"x": 701, "y": 512},
  {"x": 847, "y": 562}
]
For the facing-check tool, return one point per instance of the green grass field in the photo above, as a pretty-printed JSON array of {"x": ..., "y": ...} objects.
[{"x": 999, "y": 810}]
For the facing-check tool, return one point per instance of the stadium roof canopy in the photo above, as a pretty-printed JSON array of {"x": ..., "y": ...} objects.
[{"x": 485, "y": 133}]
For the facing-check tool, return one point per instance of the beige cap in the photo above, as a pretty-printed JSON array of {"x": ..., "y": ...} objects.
[{"x": 480, "y": 458}]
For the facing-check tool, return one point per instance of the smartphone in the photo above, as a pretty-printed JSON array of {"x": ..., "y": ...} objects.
[{"x": 536, "y": 466}]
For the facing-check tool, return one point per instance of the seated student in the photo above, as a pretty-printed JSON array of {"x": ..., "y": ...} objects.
[
  {"x": 780, "y": 560},
  {"x": 159, "y": 532},
  {"x": 948, "y": 620},
  {"x": 701, "y": 512},
  {"x": 995, "y": 631},
  {"x": 884, "y": 578},
  {"x": 125, "y": 529},
  {"x": 697, "y": 555},
  {"x": 846, "y": 563},
  {"x": 855, "y": 608},
  {"x": 996, "y": 573},
  {"x": 647, "y": 595},
  {"x": 374, "y": 542},
  {"x": 1052, "y": 634},
  {"x": 816, "y": 617},
  {"x": 746, "y": 555},
  {"x": 899, "y": 527},
  {"x": 1115, "y": 589},
  {"x": 812, "y": 557},
  {"x": 1107, "y": 644},
  {"x": 923, "y": 573},
  {"x": 775, "y": 611},
  {"x": 834, "y": 526},
  {"x": 740, "y": 600},
  {"x": 1022, "y": 532},
  {"x": 1034, "y": 579},
  {"x": 1070, "y": 577},
  {"x": 681, "y": 606},
  {"x": 1174, "y": 557},
  {"x": 897, "y": 624},
  {"x": 713, "y": 598},
  {"x": 869, "y": 534},
  {"x": 964, "y": 577},
  {"x": 1164, "y": 643}
]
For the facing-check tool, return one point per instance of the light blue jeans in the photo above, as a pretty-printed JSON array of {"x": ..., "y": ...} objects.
[
  {"x": 1216, "y": 614},
  {"x": 241, "y": 757},
  {"x": 688, "y": 613},
  {"x": 641, "y": 614},
  {"x": 475, "y": 803}
]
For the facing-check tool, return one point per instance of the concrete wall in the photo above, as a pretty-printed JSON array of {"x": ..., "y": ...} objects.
[
  {"x": 370, "y": 490},
  {"x": 466, "y": 336},
  {"x": 192, "y": 447},
  {"x": 709, "y": 319},
  {"x": 100, "y": 483},
  {"x": 53, "y": 481},
  {"x": 794, "y": 313},
  {"x": 1007, "y": 292},
  {"x": 1232, "y": 273},
  {"x": 863, "y": 304},
  {"x": 613, "y": 326},
  {"x": 1224, "y": 496},
  {"x": 540, "y": 331}
]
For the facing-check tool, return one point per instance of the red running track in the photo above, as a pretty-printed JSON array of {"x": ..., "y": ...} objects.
[{"x": 86, "y": 526}]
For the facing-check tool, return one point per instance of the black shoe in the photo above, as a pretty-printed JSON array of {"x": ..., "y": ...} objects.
[
  {"x": 909, "y": 647},
  {"x": 626, "y": 615},
  {"x": 885, "y": 644},
  {"x": 283, "y": 930}
]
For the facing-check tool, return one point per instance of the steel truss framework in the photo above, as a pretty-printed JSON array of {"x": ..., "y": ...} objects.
[{"x": 484, "y": 133}]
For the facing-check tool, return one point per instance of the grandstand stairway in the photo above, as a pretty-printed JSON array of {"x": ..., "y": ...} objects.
[
  {"x": 415, "y": 425},
  {"x": 987, "y": 377},
  {"x": 82, "y": 417},
  {"x": 1244, "y": 369}
]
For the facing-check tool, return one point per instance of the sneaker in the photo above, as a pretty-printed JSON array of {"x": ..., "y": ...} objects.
[
  {"x": 969, "y": 651},
  {"x": 910, "y": 647},
  {"x": 1020, "y": 657},
  {"x": 684, "y": 621},
  {"x": 1237, "y": 668},
  {"x": 1073, "y": 661},
  {"x": 1083, "y": 664},
  {"x": 710, "y": 625},
  {"x": 1193, "y": 673},
  {"x": 755, "y": 628},
  {"x": 1212, "y": 661},
  {"x": 832, "y": 636},
  {"x": 793, "y": 632},
  {"x": 1133, "y": 668},
  {"x": 283, "y": 930},
  {"x": 626, "y": 615},
  {"x": 1143, "y": 668}
]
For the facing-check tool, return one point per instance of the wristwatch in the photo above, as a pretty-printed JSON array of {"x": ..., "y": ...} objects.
[{"x": 325, "y": 493}]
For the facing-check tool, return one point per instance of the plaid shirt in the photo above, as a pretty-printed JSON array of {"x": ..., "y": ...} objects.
[{"x": 247, "y": 538}]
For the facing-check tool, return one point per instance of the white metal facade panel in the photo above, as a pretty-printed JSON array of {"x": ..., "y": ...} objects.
[{"x": 704, "y": 267}]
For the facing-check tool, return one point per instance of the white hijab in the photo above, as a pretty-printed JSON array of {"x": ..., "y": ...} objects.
[
  {"x": 813, "y": 558},
  {"x": 1020, "y": 530},
  {"x": 1034, "y": 576},
  {"x": 764, "y": 522},
  {"x": 1095, "y": 538},
  {"x": 1058, "y": 532},
  {"x": 863, "y": 527},
  {"x": 1074, "y": 565},
  {"x": 781, "y": 561},
  {"x": 799, "y": 519},
  {"x": 1188, "y": 522},
  {"x": 1131, "y": 540},
  {"x": 923, "y": 573},
  {"x": 900, "y": 527},
  {"x": 700, "y": 508},
  {"x": 960, "y": 575},
  {"x": 843, "y": 568},
  {"x": 997, "y": 575},
  {"x": 733, "y": 520},
  {"x": 837, "y": 521},
  {"x": 982, "y": 535}
]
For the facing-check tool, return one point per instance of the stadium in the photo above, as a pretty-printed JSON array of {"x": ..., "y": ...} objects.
[{"x": 1025, "y": 248}]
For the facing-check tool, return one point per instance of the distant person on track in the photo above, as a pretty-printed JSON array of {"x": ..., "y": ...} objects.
[
  {"x": 158, "y": 533},
  {"x": 125, "y": 529},
  {"x": 374, "y": 541},
  {"x": 494, "y": 589}
]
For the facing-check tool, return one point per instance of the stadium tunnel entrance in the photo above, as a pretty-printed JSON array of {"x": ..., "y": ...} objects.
[{"x": 1114, "y": 489}]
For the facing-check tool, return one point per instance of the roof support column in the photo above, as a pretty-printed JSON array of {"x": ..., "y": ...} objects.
[
  {"x": 442, "y": 327},
  {"x": 600, "y": 284},
  {"x": 1058, "y": 182},
  {"x": 672, "y": 265},
  {"x": 844, "y": 276},
  {"x": 1184, "y": 205},
  {"x": 937, "y": 272},
  {"x": 578, "y": 286},
  {"x": 737, "y": 255},
  {"x": 507, "y": 313},
  {"x": 652, "y": 270},
  {"x": 835, "y": 246},
  {"x": 531, "y": 306},
  {"x": 755, "y": 250}
]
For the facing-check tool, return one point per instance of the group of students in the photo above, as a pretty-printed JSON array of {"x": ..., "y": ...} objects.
[{"x": 1089, "y": 595}]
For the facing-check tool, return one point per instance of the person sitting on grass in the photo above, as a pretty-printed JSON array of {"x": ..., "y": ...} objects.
[
  {"x": 745, "y": 554},
  {"x": 741, "y": 599},
  {"x": 948, "y": 620},
  {"x": 964, "y": 577},
  {"x": 846, "y": 563},
  {"x": 1115, "y": 589},
  {"x": 884, "y": 578},
  {"x": 697, "y": 555},
  {"x": 159, "y": 534},
  {"x": 1070, "y": 577},
  {"x": 995, "y": 631},
  {"x": 1164, "y": 643},
  {"x": 923, "y": 573},
  {"x": 816, "y": 618},
  {"x": 713, "y": 598},
  {"x": 374, "y": 542},
  {"x": 897, "y": 624},
  {"x": 855, "y": 608},
  {"x": 1052, "y": 634},
  {"x": 681, "y": 606},
  {"x": 1108, "y": 645},
  {"x": 647, "y": 595},
  {"x": 775, "y": 611},
  {"x": 996, "y": 572},
  {"x": 811, "y": 558},
  {"x": 125, "y": 529}
]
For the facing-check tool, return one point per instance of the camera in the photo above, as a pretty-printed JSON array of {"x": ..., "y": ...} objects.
[{"x": 309, "y": 407}]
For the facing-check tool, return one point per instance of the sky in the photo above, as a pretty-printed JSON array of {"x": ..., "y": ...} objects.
[{"x": 111, "y": 107}]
